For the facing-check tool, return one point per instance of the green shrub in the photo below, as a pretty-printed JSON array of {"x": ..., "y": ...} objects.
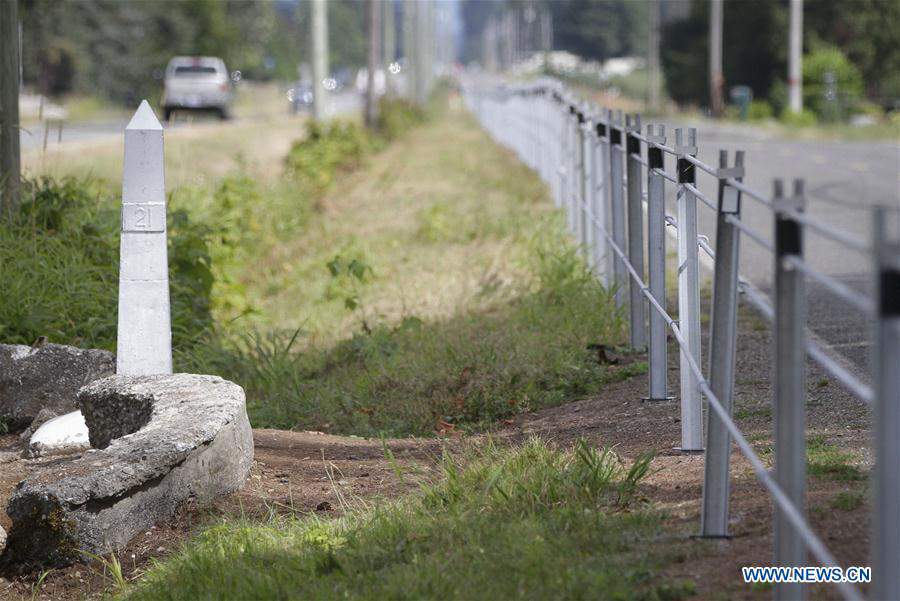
[
  {"x": 396, "y": 116},
  {"x": 415, "y": 376},
  {"x": 864, "y": 107},
  {"x": 829, "y": 62},
  {"x": 805, "y": 118},
  {"x": 732, "y": 112},
  {"x": 759, "y": 110},
  {"x": 59, "y": 264},
  {"x": 328, "y": 149}
]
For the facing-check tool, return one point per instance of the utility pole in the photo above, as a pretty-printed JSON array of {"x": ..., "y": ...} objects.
[
  {"x": 409, "y": 47},
  {"x": 716, "y": 79},
  {"x": 10, "y": 160},
  {"x": 653, "y": 73},
  {"x": 389, "y": 46},
  {"x": 319, "y": 38},
  {"x": 373, "y": 10},
  {"x": 795, "y": 58},
  {"x": 421, "y": 53}
]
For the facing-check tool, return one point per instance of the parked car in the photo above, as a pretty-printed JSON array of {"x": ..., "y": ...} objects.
[{"x": 197, "y": 83}]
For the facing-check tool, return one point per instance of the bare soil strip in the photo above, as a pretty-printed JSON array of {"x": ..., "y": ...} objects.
[{"x": 311, "y": 472}]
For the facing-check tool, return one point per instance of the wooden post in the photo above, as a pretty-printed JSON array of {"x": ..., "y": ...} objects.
[
  {"x": 145, "y": 333},
  {"x": 10, "y": 160}
]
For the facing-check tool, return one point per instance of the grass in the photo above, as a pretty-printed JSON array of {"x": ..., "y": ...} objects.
[
  {"x": 748, "y": 412},
  {"x": 825, "y": 460},
  {"x": 417, "y": 377},
  {"x": 848, "y": 500},
  {"x": 366, "y": 288},
  {"x": 431, "y": 291},
  {"x": 532, "y": 522},
  {"x": 59, "y": 266}
]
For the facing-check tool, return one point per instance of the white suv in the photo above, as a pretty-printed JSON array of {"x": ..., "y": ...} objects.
[{"x": 197, "y": 83}]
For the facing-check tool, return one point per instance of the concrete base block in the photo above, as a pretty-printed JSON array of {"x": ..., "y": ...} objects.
[{"x": 158, "y": 440}]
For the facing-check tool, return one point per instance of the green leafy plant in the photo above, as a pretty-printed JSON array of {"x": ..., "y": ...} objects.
[
  {"x": 396, "y": 116},
  {"x": 759, "y": 110},
  {"x": 348, "y": 276},
  {"x": 832, "y": 85},
  {"x": 327, "y": 150}
]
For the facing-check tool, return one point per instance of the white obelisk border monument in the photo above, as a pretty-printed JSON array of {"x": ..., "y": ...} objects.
[{"x": 145, "y": 332}]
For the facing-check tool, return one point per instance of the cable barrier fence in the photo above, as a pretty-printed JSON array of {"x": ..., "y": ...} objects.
[{"x": 593, "y": 161}]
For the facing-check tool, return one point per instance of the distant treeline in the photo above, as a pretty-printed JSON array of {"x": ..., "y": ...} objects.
[
  {"x": 867, "y": 32},
  {"x": 118, "y": 49}
]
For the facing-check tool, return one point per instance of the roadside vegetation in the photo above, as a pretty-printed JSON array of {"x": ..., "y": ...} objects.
[
  {"x": 409, "y": 281},
  {"x": 496, "y": 523}
]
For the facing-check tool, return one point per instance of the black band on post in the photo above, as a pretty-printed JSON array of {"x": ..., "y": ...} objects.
[
  {"x": 655, "y": 157},
  {"x": 633, "y": 145},
  {"x": 889, "y": 283},
  {"x": 788, "y": 236},
  {"x": 686, "y": 172}
]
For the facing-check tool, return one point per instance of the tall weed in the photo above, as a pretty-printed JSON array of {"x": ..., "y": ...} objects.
[{"x": 59, "y": 264}]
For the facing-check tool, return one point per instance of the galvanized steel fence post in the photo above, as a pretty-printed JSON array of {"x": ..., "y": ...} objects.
[
  {"x": 635, "y": 230},
  {"x": 563, "y": 192},
  {"x": 582, "y": 156},
  {"x": 716, "y": 482},
  {"x": 688, "y": 292},
  {"x": 603, "y": 258},
  {"x": 885, "y": 550},
  {"x": 790, "y": 382},
  {"x": 656, "y": 257},
  {"x": 573, "y": 184},
  {"x": 587, "y": 186},
  {"x": 617, "y": 205},
  {"x": 558, "y": 145},
  {"x": 582, "y": 184}
]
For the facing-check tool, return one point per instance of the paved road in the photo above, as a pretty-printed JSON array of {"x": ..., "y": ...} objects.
[
  {"x": 843, "y": 179},
  {"x": 32, "y": 138}
]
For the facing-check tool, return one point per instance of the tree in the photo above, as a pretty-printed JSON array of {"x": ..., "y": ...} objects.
[
  {"x": 754, "y": 49},
  {"x": 600, "y": 29},
  {"x": 115, "y": 49},
  {"x": 755, "y": 45}
]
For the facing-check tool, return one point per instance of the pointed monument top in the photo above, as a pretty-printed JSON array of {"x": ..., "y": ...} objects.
[{"x": 144, "y": 119}]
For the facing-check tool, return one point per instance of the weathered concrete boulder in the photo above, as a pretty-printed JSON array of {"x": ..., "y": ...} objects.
[
  {"x": 159, "y": 440},
  {"x": 47, "y": 377}
]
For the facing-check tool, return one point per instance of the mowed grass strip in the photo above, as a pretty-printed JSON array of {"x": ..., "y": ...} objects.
[
  {"x": 434, "y": 290},
  {"x": 531, "y": 522}
]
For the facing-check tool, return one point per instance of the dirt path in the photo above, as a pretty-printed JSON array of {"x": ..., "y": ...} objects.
[
  {"x": 292, "y": 473},
  {"x": 313, "y": 472}
]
